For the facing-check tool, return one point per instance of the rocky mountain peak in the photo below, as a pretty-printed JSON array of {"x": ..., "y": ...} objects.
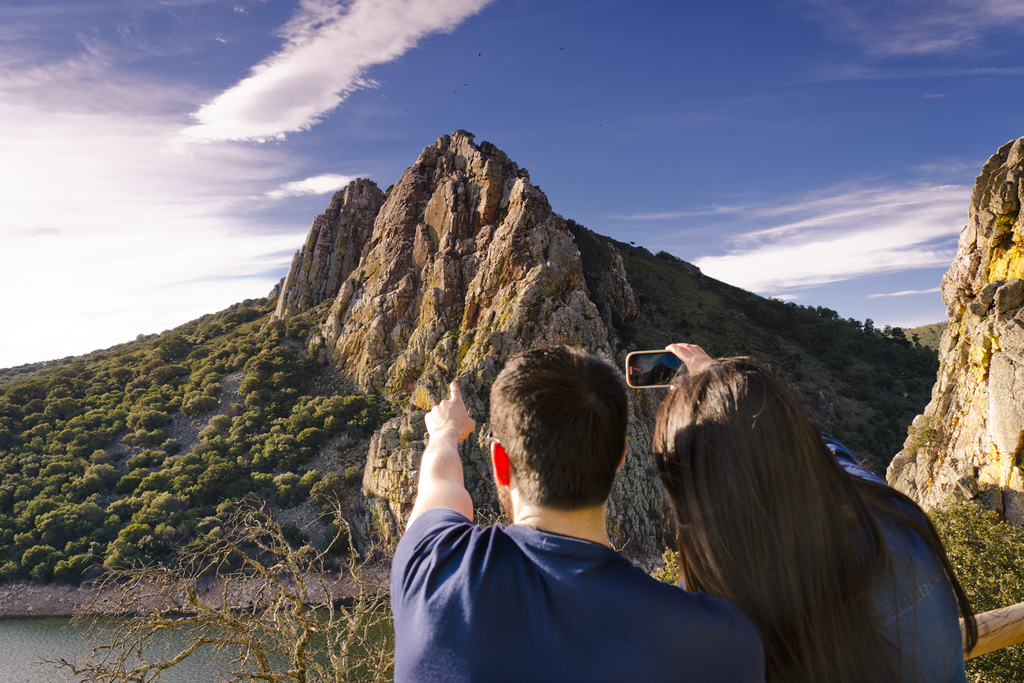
[
  {"x": 332, "y": 249},
  {"x": 967, "y": 443},
  {"x": 465, "y": 265}
]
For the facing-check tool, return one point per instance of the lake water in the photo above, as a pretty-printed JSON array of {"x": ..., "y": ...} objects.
[{"x": 24, "y": 643}]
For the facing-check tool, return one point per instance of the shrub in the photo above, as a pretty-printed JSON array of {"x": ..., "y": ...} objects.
[
  {"x": 10, "y": 571},
  {"x": 220, "y": 423},
  {"x": 308, "y": 481},
  {"x": 149, "y": 420},
  {"x": 297, "y": 329},
  {"x": 671, "y": 258},
  {"x": 311, "y": 438},
  {"x": 216, "y": 477},
  {"x": 98, "y": 478},
  {"x": 353, "y": 475},
  {"x": 287, "y": 489},
  {"x": 278, "y": 449},
  {"x": 70, "y": 570},
  {"x": 197, "y": 404},
  {"x": 336, "y": 538},
  {"x": 129, "y": 482},
  {"x": 161, "y": 374},
  {"x": 293, "y": 534},
  {"x": 988, "y": 557},
  {"x": 147, "y": 458},
  {"x": 250, "y": 384},
  {"x": 330, "y": 490},
  {"x": 40, "y": 561}
]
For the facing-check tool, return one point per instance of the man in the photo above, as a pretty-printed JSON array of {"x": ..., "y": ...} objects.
[{"x": 546, "y": 599}]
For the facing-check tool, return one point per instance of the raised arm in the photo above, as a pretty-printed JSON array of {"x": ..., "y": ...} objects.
[{"x": 441, "y": 482}]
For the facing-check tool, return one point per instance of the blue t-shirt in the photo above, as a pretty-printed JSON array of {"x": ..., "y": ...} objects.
[{"x": 515, "y": 603}]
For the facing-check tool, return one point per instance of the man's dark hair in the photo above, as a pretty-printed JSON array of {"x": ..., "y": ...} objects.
[{"x": 561, "y": 415}]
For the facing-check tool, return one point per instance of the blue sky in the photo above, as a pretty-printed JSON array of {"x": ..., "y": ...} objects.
[{"x": 163, "y": 159}]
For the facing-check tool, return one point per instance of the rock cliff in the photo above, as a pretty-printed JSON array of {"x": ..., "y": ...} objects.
[
  {"x": 332, "y": 249},
  {"x": 463, "y": 264},
  {"x": 967, "y": 443}
]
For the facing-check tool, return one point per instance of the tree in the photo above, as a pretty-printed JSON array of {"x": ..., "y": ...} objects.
[{"x": 273, "y": 612}]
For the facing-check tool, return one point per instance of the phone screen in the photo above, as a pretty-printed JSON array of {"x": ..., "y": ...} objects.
[{"x": 651, "y": 369}]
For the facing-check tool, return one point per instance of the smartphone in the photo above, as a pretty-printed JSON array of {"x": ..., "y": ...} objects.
[{"x": 652, "y": 369}]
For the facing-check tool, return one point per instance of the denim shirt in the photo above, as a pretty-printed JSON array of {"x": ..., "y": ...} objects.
[{"x": 915, "y": 606}]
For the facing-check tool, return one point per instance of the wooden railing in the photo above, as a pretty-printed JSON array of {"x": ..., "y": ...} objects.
[{"x": 997, "y": 629}]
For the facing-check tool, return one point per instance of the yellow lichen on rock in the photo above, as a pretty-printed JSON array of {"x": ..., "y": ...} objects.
[
  {"x": 421, "y": 399},
  {"x": 1006, "y": 264},
  {"x": 979, "y": 357}
]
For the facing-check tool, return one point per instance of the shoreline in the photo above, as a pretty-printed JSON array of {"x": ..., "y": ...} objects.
[
  {"x": 28, "y": 600},
  {"x": 21, "y": 600}
]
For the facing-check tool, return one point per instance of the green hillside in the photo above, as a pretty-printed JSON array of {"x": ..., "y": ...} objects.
[
  {"x": 124, "y": 454},
  {"x": 929, "y": 335}
]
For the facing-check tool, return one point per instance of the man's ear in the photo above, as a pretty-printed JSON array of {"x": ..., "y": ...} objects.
[
  {"x": 622, "y": 458},
  {"x": 499, "y": 458}
]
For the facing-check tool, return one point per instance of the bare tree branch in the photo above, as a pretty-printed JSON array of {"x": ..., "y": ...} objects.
[{"x": 248, "y": 596}]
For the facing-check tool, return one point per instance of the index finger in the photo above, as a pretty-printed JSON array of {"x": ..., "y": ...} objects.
[{"x": 456, "y": 394}]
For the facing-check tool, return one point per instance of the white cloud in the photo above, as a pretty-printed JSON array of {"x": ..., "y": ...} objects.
[
  {"x": 916, "y": 27},
  {"x": 328, "y": 47},
  {"x": 842, "y": 234},
  {"x": 905, "y": 292},
  {"x": 321, "y": 184},
  {"x": 107, "y": 232}
]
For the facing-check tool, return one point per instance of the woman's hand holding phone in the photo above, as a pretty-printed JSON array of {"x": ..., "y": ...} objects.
[{"x": 693, "y": 356}]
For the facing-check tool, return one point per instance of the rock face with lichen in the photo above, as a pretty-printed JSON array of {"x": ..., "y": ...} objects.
[
  {"x": 967, "y": 444},
  {"x": 461, "y": 266}
]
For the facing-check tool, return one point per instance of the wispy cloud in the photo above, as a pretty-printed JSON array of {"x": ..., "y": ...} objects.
[
  {"x": 863, "y": 73},
  {"x": 321, "y": 184},
  {"x": 840, "y": 234},
  {"x": 106, "y": 220},
  {"x": 329, "y": 46},
  {"x": 117, "y": 234},
  {"x": 668, "y": 215},
  {"x": 905, "y": 292},
  {"x": 915, "y": 27}
]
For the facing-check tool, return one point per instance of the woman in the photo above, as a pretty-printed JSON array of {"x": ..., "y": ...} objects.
[{"x": 844, "y": 577}]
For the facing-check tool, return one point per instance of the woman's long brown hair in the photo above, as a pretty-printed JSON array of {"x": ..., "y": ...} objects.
[{"x": 768, "y": 520}]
